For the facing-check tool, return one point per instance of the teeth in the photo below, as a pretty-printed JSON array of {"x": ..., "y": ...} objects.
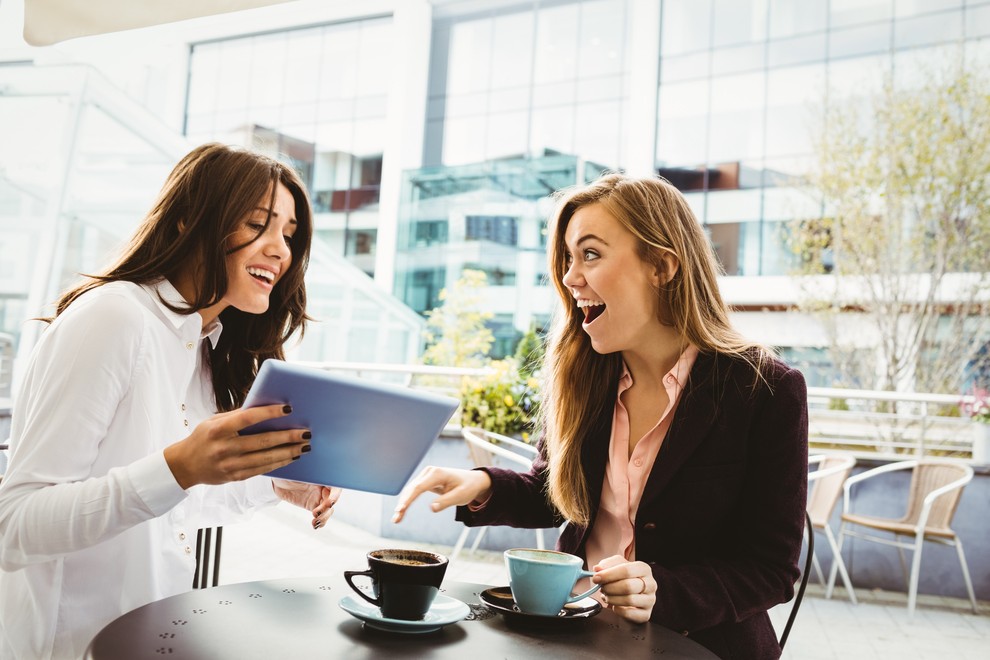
[
  {"x": 589, "y": 303},
  {"x": 261, "y": 272}
]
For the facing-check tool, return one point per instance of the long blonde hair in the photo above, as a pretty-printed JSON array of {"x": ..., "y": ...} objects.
[{"x": 578, "y": 382}]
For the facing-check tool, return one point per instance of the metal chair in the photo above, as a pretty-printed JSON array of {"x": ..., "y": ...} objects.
[
  {"x": 205, "y": 551},
  {"x": 825, "y": 490},
  {"x": 936, "y": 487},
  {"x": 484, "y": 446}
]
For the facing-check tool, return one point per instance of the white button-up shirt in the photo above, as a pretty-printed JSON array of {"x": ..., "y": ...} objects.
[{"x": 92, "y": 522}]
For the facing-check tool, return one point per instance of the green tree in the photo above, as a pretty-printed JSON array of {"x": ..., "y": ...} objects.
[
  {"x": 529, "y": 352},
  {"x": 903, "y": 177},
  {"x": 456, "y": 333}
]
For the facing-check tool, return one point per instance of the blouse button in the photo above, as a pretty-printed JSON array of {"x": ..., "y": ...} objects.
[
  {"x": 182, "y": 536},
  {"x": 185, "y": 422},
  {"x": 650, "y": 526},
  {"x": 189, "y": 345},
  {"x": 188, "y": 550},
  {"x": 183, "y": 407}
]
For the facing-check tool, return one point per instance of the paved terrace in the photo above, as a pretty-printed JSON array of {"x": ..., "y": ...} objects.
[{"x": 278, "y": 543}]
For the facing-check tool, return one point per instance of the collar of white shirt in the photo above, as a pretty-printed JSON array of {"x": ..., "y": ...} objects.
[{"x": 163, "y": 290}]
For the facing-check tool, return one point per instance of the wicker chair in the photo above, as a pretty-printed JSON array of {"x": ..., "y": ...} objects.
[
  {"x": 485, "y": 448},
  {"x": 825, "y": 490},
  {"x": 936, "y": 487}
]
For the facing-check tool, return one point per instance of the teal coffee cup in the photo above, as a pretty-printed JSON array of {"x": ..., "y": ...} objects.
[{"x": 541, "y": 580}]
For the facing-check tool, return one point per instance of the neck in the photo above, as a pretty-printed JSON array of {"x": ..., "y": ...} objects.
[{"x": 650, "y": 364}]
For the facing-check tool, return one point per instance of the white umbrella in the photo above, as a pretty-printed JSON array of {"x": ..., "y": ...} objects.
[{"x": 49, "y": 21}]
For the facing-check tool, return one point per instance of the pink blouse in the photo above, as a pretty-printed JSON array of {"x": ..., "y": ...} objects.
[{"x": 613, "y": 532}]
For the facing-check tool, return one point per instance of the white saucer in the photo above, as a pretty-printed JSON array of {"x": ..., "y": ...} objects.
[{"x": 445, "y": 610}]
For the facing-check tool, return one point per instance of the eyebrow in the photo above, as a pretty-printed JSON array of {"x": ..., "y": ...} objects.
[
  {"x": 590, "y": 237},
  {"x": 292, "y": 221}
]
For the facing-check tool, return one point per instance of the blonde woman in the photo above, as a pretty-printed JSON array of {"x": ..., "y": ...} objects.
[{"x": 675, "y": 449}]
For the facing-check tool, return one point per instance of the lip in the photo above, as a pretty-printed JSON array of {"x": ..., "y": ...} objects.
[{"x": 265, "y": 285}]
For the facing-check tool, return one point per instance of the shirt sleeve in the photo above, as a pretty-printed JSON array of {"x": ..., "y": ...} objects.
[{"x": 50, "y": 504}]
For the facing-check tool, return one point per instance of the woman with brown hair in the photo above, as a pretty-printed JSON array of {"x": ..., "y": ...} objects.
[
  {"x": 675, "y": 449},
  {"x": 118, "y": 453}
]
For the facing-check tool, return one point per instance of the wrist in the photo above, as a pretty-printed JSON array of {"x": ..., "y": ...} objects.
[{"x": 173, "y": 458}]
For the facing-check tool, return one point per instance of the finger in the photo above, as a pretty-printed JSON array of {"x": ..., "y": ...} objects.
[
  {"x": 245, "y": 417},
  {"x": 273, "y": 439},
  {"x": 248, "y": 464},
  {"x": 426, "y": 481}
]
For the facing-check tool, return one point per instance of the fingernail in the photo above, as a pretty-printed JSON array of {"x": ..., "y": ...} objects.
[
  {"x": 307, "y": 448},
  {"x": 307, "y": 435},
  {"x": 286, "y": 409},
  {"x": 295, "y": 458},
  {"x": 317, "y": 524}
]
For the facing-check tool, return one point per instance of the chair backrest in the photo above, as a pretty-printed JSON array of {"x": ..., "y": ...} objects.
[
  {"x": 484, "y": 446},
  {"x": 927, "y": 477},
  {"x": 826, "y": 484}
]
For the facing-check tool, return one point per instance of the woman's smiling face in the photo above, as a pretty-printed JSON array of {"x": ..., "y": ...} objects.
[{"x": 614, "y": 287}]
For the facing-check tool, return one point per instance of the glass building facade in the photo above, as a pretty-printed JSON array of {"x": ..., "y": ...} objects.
[{"x": 432, "y": 133}]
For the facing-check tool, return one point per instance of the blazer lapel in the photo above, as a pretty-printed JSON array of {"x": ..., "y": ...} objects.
[{"x": 693, "y": 419}]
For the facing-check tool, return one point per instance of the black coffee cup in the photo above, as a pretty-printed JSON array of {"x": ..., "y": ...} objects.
[{"x": 404, "y": 582}]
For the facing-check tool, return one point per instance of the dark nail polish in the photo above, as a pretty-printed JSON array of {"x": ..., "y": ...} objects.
[
  {"x": 295, "y": 458},
  {"x": 286, "y": 409},
  {"x": 307, "y": 448},
  {"x": 307, "y": 435}
]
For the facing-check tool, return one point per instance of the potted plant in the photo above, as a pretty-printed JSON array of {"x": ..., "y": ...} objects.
[{"x": 978, "y": 409}]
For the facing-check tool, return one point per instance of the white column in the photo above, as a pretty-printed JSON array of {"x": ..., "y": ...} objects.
[
  {"x": 404, "y": 124},
  {"x": 640, "y": 129}
]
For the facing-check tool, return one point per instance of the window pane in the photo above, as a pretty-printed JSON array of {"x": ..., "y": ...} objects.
[
  {"x": 790, "y": 17},
  {"x": 739, "y": 21},
  {"x": 686, "y": 26},
  {"x": 556, "y": 44}
]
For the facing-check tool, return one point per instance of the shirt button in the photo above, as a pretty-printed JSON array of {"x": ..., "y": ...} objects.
[
  {"x": 182, "y": 536},
  {"x": 183, "y": 407},
  {"x": 188, "y": 550},
  {"x": 185, "y": 422},
  {"x": 189, "y": 345}
]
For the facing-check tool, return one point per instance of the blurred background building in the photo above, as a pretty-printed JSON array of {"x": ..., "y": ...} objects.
[{"x": 433, "y": 133}]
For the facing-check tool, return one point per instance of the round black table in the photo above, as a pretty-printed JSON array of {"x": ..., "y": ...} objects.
[{"x": 301, "y": 618}]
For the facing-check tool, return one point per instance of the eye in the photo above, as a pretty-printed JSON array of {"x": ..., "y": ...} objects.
[
  {"x": 590, "y": 255},
  {"x": 256, "y": 226},
  {"x": 287, "y": 238}
]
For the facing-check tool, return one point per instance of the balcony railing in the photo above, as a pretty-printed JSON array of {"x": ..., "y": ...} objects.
[{"x": 867, "y": 423}]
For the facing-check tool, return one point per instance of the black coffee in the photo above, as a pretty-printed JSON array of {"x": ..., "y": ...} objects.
[{"x": 408, "y": 562}]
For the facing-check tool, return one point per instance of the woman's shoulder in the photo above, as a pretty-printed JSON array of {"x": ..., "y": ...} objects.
[{"x": 113, "y": 305}]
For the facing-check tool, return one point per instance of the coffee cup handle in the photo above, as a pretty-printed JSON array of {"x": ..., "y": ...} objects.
[
  {"x": 584, "y": 574},
  {"x": 349, "y": 575}
]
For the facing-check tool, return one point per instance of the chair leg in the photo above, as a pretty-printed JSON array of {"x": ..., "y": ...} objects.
[
  {"x": 477, "y": 539},
  {"x": 900, "y": 555},
  {"x": 965, "y": 570},
  {"x": 919, "y": 542},
  {"x": 837, "y": 562},
  {"x": 818, "y": 569},
  {"x": 460, "y": 543},
  {"x": 837, "y": 550}
]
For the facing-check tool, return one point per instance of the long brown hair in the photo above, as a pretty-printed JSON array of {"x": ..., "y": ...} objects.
[
  {"x": 578, "y": 382},
  {"x": 205, "y": 198}
]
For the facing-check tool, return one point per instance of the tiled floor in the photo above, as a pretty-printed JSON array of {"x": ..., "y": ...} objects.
[{"x": 279, "y": 543}]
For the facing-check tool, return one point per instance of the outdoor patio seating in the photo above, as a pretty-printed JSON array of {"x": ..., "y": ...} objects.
[
  {"x": 825, "y": 488},
  {"x": 484, "y": 447},
  {"x": 936, "y": 487}
]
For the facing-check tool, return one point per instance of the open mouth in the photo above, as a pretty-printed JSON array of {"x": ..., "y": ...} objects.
[
  {"x": 262, "y": 275},
  {"x": 592, "y": 310}
]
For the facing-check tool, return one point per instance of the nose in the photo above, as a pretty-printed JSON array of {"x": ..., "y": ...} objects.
[
  {"x": 275, "y": 246},
  {"x": 572, "y": 278}
]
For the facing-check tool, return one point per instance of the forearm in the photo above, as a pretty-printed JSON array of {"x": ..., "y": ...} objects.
[
  {"x": 517, "y": 500},
  {"x": 42, "y": 521}
]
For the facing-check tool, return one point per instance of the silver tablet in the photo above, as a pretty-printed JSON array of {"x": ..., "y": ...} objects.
[{"x": 367, "y": 435}]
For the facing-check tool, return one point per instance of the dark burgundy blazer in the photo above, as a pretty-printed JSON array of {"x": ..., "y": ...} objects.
[{"x": 721, "y": 519}]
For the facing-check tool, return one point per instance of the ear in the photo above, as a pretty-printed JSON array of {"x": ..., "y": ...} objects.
[{"x": 669, "y": 264}]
